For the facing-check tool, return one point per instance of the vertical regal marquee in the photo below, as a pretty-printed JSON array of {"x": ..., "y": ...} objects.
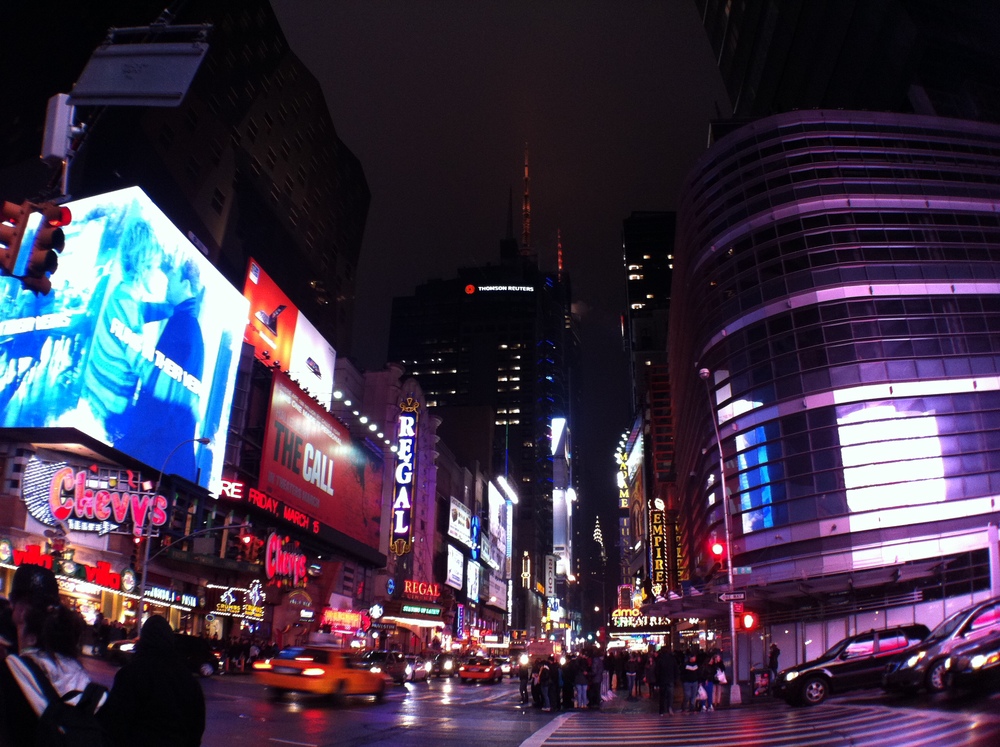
[{"x": 401, "y": 540}]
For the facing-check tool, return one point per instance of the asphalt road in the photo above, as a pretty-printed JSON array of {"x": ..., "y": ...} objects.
[{"x": 447, "y": 713}]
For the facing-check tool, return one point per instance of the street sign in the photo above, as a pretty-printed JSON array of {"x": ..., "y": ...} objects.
[
  {"x": 737, "y": 608},
  {"x": 742, "y": 570},
  {"x": 733, "y": 596}
]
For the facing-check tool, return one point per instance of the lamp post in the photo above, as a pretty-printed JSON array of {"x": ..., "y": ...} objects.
[
  {"x": 735, "y": 697},
  {"x": 148, "y": 531}
]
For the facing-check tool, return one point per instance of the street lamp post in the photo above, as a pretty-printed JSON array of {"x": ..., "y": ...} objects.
[
  {"x": 148, "y": 530},
  {"x": 735, "y": 697}
]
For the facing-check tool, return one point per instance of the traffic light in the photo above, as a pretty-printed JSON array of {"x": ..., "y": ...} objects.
[
  {"x": 718, "y": 550},
  {"x": 48, "y": 241},
  {"x": 15, "y": 221},
  {"x": 747, "y": 621}
]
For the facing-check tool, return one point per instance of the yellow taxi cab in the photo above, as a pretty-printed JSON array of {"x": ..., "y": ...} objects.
[
  {"x": 480, "y": 668},
  {"x": 321, "y": 670}
]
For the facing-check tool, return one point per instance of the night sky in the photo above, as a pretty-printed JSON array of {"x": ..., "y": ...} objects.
[{"x": 437, "y": 99}]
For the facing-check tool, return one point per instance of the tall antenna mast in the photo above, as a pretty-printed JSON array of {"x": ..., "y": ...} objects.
[
  {"x": 526, "y": 210},
  {"x": 559, "y": 254}
]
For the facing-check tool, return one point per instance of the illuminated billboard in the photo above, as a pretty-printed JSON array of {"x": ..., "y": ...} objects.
[
  {"x": 310, "y": 463},
  {"x": 136, "y": 344},
  {"x": 281, "y": 335}
]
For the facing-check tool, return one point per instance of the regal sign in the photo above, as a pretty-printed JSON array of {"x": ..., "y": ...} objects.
[
  {"x": 421, "y": 589},
  {"x": 282, "y": 566},
  {"x": 401, "y": 539}
]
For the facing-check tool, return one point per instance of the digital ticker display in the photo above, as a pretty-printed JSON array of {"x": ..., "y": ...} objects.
[{"x": 136, "y": 344}]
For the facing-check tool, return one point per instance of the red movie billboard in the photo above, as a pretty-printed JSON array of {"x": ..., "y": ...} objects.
[
  {"x": 281, "y": 334},
  {"x": 311, "y": 464}
]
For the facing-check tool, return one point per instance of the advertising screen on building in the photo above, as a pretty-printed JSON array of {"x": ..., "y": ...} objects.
[
  {"x": 460, "y": 523},
  {"x": 136, "y": 344},
  {"x": 456, "y": 563},
  {"x": 281, "y": 334},
  {"x": 311, "y": 464}
]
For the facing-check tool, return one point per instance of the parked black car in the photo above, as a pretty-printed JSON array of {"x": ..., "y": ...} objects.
[
  {"x": 925, "y": 665},
  {"x": 196, "y": 652},
  {"x": 976, "y": 665},
  {"x": 856, "y": 662}
]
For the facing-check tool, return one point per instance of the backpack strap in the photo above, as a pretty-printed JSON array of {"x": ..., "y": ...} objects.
[{"x": 43, "y": 680}]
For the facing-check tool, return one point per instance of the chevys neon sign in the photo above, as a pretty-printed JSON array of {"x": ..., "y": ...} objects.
[
  {"x": 96, "y": 499},
  {"x": 282, "y": 566},
  {"x": 401, "y": 540}
]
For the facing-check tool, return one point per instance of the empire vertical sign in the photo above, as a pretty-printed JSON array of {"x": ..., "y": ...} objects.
[{"x": 401, "y": 540}]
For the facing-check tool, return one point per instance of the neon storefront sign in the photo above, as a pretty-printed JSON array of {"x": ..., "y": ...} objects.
[
  {"x": 282, "y": 566},
  {"x": 401, "y": 540},
  {"x": 95, "y": 499}
]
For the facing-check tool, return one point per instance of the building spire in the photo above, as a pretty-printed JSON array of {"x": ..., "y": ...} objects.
[
  {"x": 559, "y": 254},
  {"x": 526, "y": 210}
]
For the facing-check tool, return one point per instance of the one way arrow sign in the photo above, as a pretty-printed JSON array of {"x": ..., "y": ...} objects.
[{"x": 733, "y": 596}]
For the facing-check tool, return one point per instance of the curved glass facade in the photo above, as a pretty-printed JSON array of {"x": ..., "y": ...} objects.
[{"x": 838, "y": 274}]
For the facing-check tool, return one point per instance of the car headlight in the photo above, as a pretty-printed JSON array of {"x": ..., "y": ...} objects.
[
  {"x": 126, "y": 647},
  {"x": 428, "y": 667},
  {"x": 915, "y": 659},
  {"x": 461, "y": 669},
  {"x": 448, "y": 665},
  {"x": 524, "y": 660},
  {"x": 789, "y": 676},
  {"x": 409, "y": 670},
  {"x": 377, "y": 669}
]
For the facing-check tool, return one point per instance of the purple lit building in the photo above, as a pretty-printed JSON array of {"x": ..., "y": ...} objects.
[{"x": 838, "y": 274}]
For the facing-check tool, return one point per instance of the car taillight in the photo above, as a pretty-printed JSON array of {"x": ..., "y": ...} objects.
[{"x": 313, "y": 672}]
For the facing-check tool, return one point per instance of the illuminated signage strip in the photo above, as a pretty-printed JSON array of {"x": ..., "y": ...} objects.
[
  {"x": 235, "y": 490},
  {"x": 657, "y": 546},
  {"x": 633, "y": 619},
  {"x": 401, "y": 533},
  {"x": 515, "y": 288}
]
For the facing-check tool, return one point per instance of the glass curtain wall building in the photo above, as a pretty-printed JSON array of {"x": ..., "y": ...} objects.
[{"x": 838, "y": 274}]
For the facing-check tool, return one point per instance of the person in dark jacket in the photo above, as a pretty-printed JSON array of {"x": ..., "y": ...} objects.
[
  {"x": 47, "y": 633},
  {"x": 155, "y": 688},
  {"x": 691, "y": 676},
  {"x": 666, "y": 678}
]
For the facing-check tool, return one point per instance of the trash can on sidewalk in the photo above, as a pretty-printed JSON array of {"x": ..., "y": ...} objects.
[{"x": 760, "y": 682}]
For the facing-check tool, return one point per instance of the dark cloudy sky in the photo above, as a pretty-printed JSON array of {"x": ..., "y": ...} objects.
[{"x": 437, "y": 98}]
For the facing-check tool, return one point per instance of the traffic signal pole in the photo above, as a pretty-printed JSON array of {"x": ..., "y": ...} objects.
[{"x": 735, "y": 696}]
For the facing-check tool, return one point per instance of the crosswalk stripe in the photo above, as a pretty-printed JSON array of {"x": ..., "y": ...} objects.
[{"x": 831, "y": 726}]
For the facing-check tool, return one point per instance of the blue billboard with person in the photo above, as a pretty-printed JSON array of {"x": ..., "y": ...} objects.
[{"x": 136, "y": 345}]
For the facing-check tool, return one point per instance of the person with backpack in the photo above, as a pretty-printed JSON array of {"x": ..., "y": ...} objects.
[
  {"x": 46, "y": 697},
  {"x": 155, "y": 687}
]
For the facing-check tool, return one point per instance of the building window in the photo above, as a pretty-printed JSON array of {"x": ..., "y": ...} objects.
[{"x": 218, "y": 201}]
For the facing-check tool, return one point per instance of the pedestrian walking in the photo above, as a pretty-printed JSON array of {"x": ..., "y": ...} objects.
[
  {"x": 772, "y": 660},
  {"x": 544, "y": 683},
  {"x": 666, "y": 677},
  {"x": 155, "y": 687},
  {"x": 717, "y": 671},
  {"x": 632, "y": 672},
  {"x": 524, "y": 676},
  {"x": 691, "y": 679}
]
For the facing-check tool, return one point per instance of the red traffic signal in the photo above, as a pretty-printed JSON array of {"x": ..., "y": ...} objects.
[
  {"x": 717, "y": 549},
  {"x": 15, "y": 221},
  {"x": 747, "y": 621},
  {"x": 49, "y": 240}
]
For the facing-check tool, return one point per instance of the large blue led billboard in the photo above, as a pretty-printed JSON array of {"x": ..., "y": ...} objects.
[{"x": 136, "y": 344}]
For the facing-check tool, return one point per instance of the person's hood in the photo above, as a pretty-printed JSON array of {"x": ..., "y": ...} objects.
[
  {"x": 156, "y": 637},
  {"x": 64, "y": 673}
]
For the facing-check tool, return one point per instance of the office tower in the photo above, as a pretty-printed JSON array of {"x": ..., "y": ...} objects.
[
  {"x": 837, "y": 286},
  {"x": 502, "y": 336},
  {"x": 922, "y": 56}
]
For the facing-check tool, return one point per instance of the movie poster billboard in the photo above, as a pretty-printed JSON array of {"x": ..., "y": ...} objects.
[
  {"x": 136, "y": 344},
  {"x": 311, "y": 464},
  {"x": 281, "y": 334}
]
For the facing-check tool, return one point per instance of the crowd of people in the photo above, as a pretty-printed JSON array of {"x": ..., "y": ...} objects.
[{"x": 564, "y": 684}]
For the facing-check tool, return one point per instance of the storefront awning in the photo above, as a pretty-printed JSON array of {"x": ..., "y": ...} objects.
[{"x": 413, "y": 613}]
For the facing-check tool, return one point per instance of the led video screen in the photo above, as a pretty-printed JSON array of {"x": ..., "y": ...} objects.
[{"x": 136, "y": 344}]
